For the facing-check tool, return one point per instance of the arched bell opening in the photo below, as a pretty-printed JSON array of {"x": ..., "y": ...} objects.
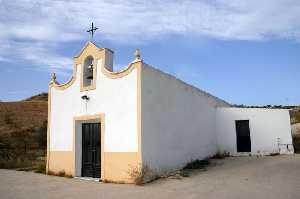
[{"x": 88, "y": 71}]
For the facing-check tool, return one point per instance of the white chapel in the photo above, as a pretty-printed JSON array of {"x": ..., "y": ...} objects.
[{"x": 103, "y": 123}]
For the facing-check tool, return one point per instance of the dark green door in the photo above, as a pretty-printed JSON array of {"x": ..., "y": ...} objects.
[{"x": 91, "y": 154}]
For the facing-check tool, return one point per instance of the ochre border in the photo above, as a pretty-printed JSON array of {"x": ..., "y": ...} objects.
[
  {"x": 139, "y": 110},
  {"x": 48, "y": 130},
  {"x": 119, "y": 74},
  {"x": 68, "y": 83},
  {"x": 93, "y": 85},
  {"x": 91, "y": 49},
  {"x": 101, "y": 119}
]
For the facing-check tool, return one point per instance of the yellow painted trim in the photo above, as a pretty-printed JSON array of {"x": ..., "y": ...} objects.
[
  {"x": 90, "y": 44},
  {"x": 101, "y": 119},
  {"x": 48, "y": 130},
  {"x": 119, "y": 74},
  {"x": 91, "y": 49},
  {"x": 118, "y": 166},
  {"x": 93, "y": 85},
  {"x": 139, "y": 110},
  {"x": 62, "y": 161},
  {"x": 68, "y": 83}
]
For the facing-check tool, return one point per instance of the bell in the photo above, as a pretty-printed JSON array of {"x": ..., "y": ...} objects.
[
  {"x": 90, "y": 77},
  {"x": 90, "y": 67}
]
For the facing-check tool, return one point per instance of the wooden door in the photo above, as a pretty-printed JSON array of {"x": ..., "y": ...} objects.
[{"x": 91, "y": 150}]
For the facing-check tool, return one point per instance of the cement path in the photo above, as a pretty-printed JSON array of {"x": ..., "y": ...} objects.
[{"x": 276, "y": 177}]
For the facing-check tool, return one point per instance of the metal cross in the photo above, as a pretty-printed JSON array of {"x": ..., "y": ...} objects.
[{"x": 91, "y": 31}]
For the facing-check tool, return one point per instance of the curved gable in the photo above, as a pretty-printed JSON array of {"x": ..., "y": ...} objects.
[{"x": 90, "y": 49}]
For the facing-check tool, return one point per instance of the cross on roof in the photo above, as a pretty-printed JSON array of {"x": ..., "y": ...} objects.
[{"x": 91, "y": 31}]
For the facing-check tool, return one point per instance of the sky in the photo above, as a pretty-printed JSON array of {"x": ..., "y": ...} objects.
[{"x": 245, "y": 52}]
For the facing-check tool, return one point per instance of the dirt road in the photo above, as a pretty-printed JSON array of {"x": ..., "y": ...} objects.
[{"x": 275, "y": 177}]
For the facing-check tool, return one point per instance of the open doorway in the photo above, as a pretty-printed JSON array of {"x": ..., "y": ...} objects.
[{"x": 243, "y": 140}]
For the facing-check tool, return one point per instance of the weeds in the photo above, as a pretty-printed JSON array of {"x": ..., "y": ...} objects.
[
  {"x": 40, "y": 168},
  {"x": 142, "y": 174},
  {"x": 197, "y": 164},
  {"x": 61, "y": 173},
  {"x": 274, "y": 154},
  {"x": 296, "y": 143},
  {"x": 220, "y": 155}
]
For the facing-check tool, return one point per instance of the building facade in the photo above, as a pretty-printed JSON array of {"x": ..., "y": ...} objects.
[{"x": 104, "y": 124}]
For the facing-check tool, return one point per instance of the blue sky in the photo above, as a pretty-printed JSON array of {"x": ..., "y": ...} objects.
[{"x": 245, "y": 52}]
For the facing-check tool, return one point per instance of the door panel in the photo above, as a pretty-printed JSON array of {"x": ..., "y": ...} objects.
[
  {"x": 91, "y": 160},
  {"x": 243, "y": 139}
]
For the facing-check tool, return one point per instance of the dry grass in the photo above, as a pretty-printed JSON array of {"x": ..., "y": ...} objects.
[
  {"x": 220, "y": 155},
  {"x": 21, "y": 136},
  {"x": 15, "y": 164},
  {"x": 296, "y": 143},
  {"x": 22, "y": 115},
  {"x": 61, "y": 173},
  {"x": 295, "y": 115},
  {"x": 40, "y": 167},
  {"x": 142, "y": 174},
  {"x": 38, "y": 97},
  {"x": 19, "y": 164},
  {"x": 197, "y": 164}
]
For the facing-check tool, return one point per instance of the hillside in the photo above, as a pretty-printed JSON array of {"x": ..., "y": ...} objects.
[
  {"x": 26, "y": 114},
  {"x": 295, "y": 115},
  {"x": 42, "y": 97},
  {"x": 23, "y": 128}
]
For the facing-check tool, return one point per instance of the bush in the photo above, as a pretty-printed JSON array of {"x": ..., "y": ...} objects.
[
  {"x": 142, "y": 174},
  {"x": 40, "y": 167}
]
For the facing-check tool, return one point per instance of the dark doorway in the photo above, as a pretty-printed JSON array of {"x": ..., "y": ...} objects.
[
  {"x": 91, "y": 150},
  {"x": 243, "y": 140}
]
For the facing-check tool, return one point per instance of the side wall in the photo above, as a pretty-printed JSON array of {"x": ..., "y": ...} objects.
[
  {"x": 116, "y": 99},
  {"x": 178, "y": 121},
  {"x": 270, "y": 130}
]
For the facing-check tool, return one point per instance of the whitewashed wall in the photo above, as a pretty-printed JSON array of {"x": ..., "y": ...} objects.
[
  {"x": 116, "y": 98},
  {"x": 266, "y": 126},
  {"x": 178, "y": 121}
]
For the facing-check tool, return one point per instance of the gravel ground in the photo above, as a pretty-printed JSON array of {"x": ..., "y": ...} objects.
[{"x": 239, "y": 177}]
